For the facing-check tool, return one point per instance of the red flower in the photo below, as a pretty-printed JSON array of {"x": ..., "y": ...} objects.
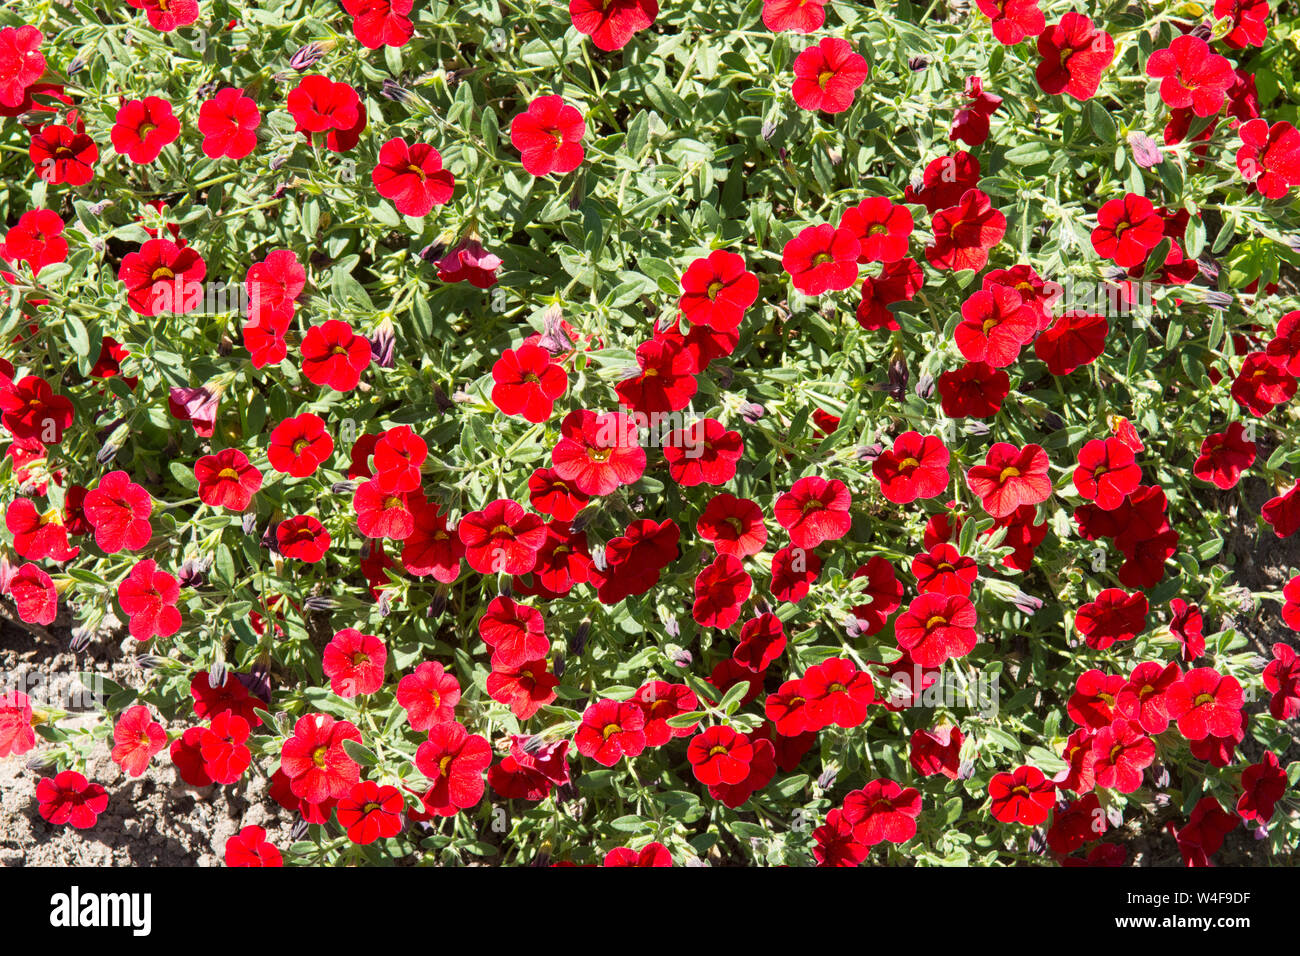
[
  {"x": 429, "y": 696},
  {"x": 1191, "y": 75},
  {"x": 944, "y": 181},
  {"x": 827, "y": 75},
  {"x": 354, "y": 663},
  {"x": 377, "y": 23},
  {"x": 1269, "y": 156},
  {"x": 1261, "y": 385},
  {"x": 136, "y": 738},
  {"x": 231, "y": 697},
  {"x": 16, "y": 733},
  {"x": 666, "y": 380},
  {"x": 62, "y": 156},
  {"x": 882, "y": 229},
  {"x": 1186, "y": 625},
  {"x": 611, "y": 23},
  {"x": 370, "y": 812},
  {"x": 222, "y": 750},
  {"x": 944, "y": 570},
  {"x": 834, "y": 841},
  {"x": 717, "y": 290},
  {"x": 1127, "y": 230},
  {"x": 1074, "y": 56},
  {"x": 838, "y": 693},
  {"x": 996, "y": 324},
  {"x": 1263, "y": 785},
  {"x": 1249, "y": 21},
  {"x": 272, "y": 285},
  {"x": 937, "y": 627},
  {"x": 1205, "y": 703},
  {"x": 1022, "y": 796},
  {"x": 227, "y": 480},
  {"x": 1122, "y": 752},
  {"x": 525, "y": 689},
  {"x": 228, "y": 122},
  {"x": 965, "y": 232},
  {"x": 1107, "y": 473},
  {"x": 249, "y": 847},
  {"x": 302, "y": 537},
  {"x": 432, "y": 547},
  {"x": 793, "y": 572},
  {"x": 898, "y": 282},
  {"x": 1283, "y": 512},
  {"x": 548, "y": 136},
  {"x": 814, "y": 510},
  {"x": 36, "y": 239},
  {"x": 552, "y": 495},
  {"x": 1282, "y": 680},
  {"x": 733, "y": 525},
  {"x": 469, "y": 262},
  {"x": 720, "y": 589},
  {"x": 1115, "y": 616},
  {"x": 162, "y": 277},
  {"x": 70, "y": 798},
  {"x": 598, "y": 453},
  {"x": 143, "y": 128},
  {"x": 1283, "y": 348},
  {"x": 412, "y": 177},
  {"x": 610, "y": 730},
  {"x": 119, "y": 510},
  {"x": 719, "y": 755},
  {"x": 801, "y": 16},
  {"x": 1013, "y": 20},
  {"x": 34, "y": 595},
  {"x": 32, "y": 413},
  {"x": 1203, "y": 835},
  {"x": 762, "y": 639},
  {"x": 300, "y": 445},
  {"x": 502, "y": 538},
  {"x": 21, "y": 62},
  {"x": 976, "y": 390},
  {"x": 515, "y": 632},
  {"x": 314, "y": 760},
  {"x": 320, "y": 105},
  {"x": 563, "y": 561},
  {"x": 971, "y": 123},
  {"x": 703, "y": 452},
  {"x": 882, "y": 810},
  {"x": 531, "y": 769},
  {"x": 661, "y": 701},
  {"x": 885, "y": 591},
  {"x": 634, "y": 560},
  {"x": 1074, "y": 340},
  {"x": 334, "y": 356},
  {"x": 385, "y": 514},
  {"x": 936, "y": 751},
  {"x": 167, "y": 15},
  {"x": 1010, "y": 477},
  {"x": 915, "y": 467},
  {"x": 822, "y": 259},
  {"x": 653, "y": 854},
  {"x": 149, "y": 596},
  {"x": 453, "y": 761}
]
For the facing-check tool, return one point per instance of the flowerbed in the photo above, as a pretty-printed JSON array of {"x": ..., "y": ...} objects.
[{"x": 780, "y": 432}]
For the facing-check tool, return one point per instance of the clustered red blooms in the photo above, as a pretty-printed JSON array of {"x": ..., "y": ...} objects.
[{"x": 530, "y": 555}]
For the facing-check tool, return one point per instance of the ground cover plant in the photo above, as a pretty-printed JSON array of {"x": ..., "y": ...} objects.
[{"x": 635, "y": 434}]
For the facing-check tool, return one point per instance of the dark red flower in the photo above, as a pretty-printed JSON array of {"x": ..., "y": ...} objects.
[
  {"x": 883, "y": 810},
  {"x": 996, "y": 324},
  {"x": 1022, "y": 796},
  {"x": 976, "y": 390},
  {"x": 1269, "y": 156},
  {"x": 302, "y": 537},
  {"x": 162, "y": 277},
  {"x": 720, "y": 589},
  {"x": 70, "y": 798},
  {"x": 1107, "y": 473},
  {"x": 1205, "y": 703},
  {"x": 610, "y": 730},
  {"x": 915, "y": 467},
  {"x": 148, "y": 596}
]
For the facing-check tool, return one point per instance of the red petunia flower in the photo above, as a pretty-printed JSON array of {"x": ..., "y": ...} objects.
[
  {"x": 552, "y": 495},
  {"x": 964, "y": 233},
  {"x": 354, "y": 663},
  {"x": 548, "y": 136},
  {"x": 1142, "y": 699},
  {"x": 70, "y": 798},
  {"x": 794, "y": 570},
  {"x": 837, "y": 694},
  {"x": 302, "y": 537},
  {"x": 936, "y": 628},
  {"x": 412, "y": 177},
  {"x": 882, "y": 811},
  {"x": 227, "y": 479},
  {"x": 719, "y": 755},
  {"x": 136, "y": 738},
  {"x": 835, "y": 843},
  {"x": 634, "y": 560},
  {"x": 299, "y": 445},
  {"x": 222, "y": 749},
  {"x": 720, "y": 589},
  {"x": 1022, "y": 796},
  {"x": 1010, "y": 477},
  {"x": 453, "y": 760},
  {"x": 936, "y": 751},
  {"x": 143, "y": 127},
  {"x": 915, "y": 467},
  {"x": 502, "y": 538},
  {"x": 272, "y": 286},
  {"x": 1013, "y": 20},
  {"x": 882, "y": 230},
  {"x": 944, "y": 570},
  {"x": 611, "y": 23},
  {"x": 653, "y": 854},
  {"x": 1191, "y": 75},
  {"x": 515, "y": 632},
  {"x": 167, "y": 15},
  {"x": 1263, "y": 784},
  {"x": 944, "y": 181},
  {"x": 885, "y": 591},
  {"x": 119, "y": 510},
  {"x": 598, "y": 453},
  {"x": 827, "y": 76},
  {"x": 666, "y": 380},
  {"x": 250, "y": 847},
  {"x": 148, "y": 596},
  {"x": 1074, "y": 56},
  {"x": 704, "y": 452},
  {"x": 16, "y": 733},
  {"x": 610, "y": 730},
  {"x": 1114, "y": 616},
  {"x": 162, "y": 277},
  {"x": 385, "y": 514},
  {"x": 814, "y": 510},
  {"x": 531, "y": 769},
  {"x": 319, "y": 105},
  {"x": 334, "y": 356},
  {"x": 800, "y": 16},
  {"x": 996, "y": 324},
  {"x": 21, "y": 62},
  {"x": 1249, "y": 21},
  {"x": 61, "y": 155},
  {"x": 1269, "y": 156},
  {"x": 371, "y": 812},
  {"x": 314, "y": 760},
  {"x": 1074, "y": 340},
  {"x": 976, "y": 390},
  {"x": 1205, "y": 703},
  {"x": 428, "y": 695},
  {"x": 1261, "y": 385},
  {"x": 525, "y": 689},
  {"x": 34, "y": 595},
  {"x": 662, "y": 701},
  {"x": 1107, "y": 472},
  {"x": 822, "y": 259},
  {"x": 377, "y": 23},
  {"x": 733, "y": 525},
  {"x": 1122, "y": 752},
  {"x": 228, "y": 122},
  {"x": 717, "y": 290},
  {"x": 1282, "y": 680},
  {"x": 971, "y": 122},
  {"x": 37, "y": 239},
  {"x": 1127, "y": 230},
  {"x": 32, "y": 413}
]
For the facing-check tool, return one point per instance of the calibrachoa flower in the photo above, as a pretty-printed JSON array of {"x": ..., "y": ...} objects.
[
  {"x": 315, "y": 761},
  {"x": 371, "y": 812},
  {"x": 412, "y": 177},
  {"x": 149, "y": 596},
  {"x": 354, "y": 663},
  {"x": 136, "y": 738},
  {"x": 717, "y": 290},
  {"x": 1013, "y": 20},
  {"x": 222, "y": 749},
  {"x": 733, "y": 525},
  {"x": 611, "y": 23},
  {"x": 502, "y": 538},
  {"x": 653, "y": 854},
  {"x": 1282, "y": 680},
  {"x": 598, "y": 453},
  {"x": 996, "y": 324},
  {"x": 527, "y": 383},
  {"x": 1022, "y": 796},
  {"x": 936, "y": 628},
  {"x": 21, "y": 62},
  {"x": 162, "y": 277},
  {"x": 250, "y": 847},
  {"x": 118, "y": 509},
  {"x": 334, "y": 356},
  {"x": 1127, "y": 230},
  {"x": 69, "y": 798},
  {"x": 822, "y": 259},
  {"x": 143, "y": 128},
  {"x": 1074, "y": 54},
  {"x": 228, "y": 122},
  {"x": 826, "y": 76},
  {"x": 549, "y": 135},
  {"x": 610, "y": 730},
  {"x": 1191, "y": 75},
  {"x": 377, "y": 23},
  {"x": 965, "y": 232},
  {"x": 814, "y": 510},
  {"x": 16, "y": 733},
  {"x": 1009, "y": 478},
  {"x": 1205, "y": 703},
  {"x": 1107, "y": 472},
  {"x": 1122, "y": 752},
  {"x": 320, "y": 105},
  {"x": 720, "y": 755},
  {"x": 36, "y": 239},
  {"x": 167, "y": 15},
  {"x": 1269, "y": 156},
  {"x": 62, "y": 155},
  {"x": 226, "y": 479},
  {"x": 883, "y": 811},
  {"x": 1114, "y": 616},
  {"x": 915, "y": 467},
  {"x": 453, "y": 761}
]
